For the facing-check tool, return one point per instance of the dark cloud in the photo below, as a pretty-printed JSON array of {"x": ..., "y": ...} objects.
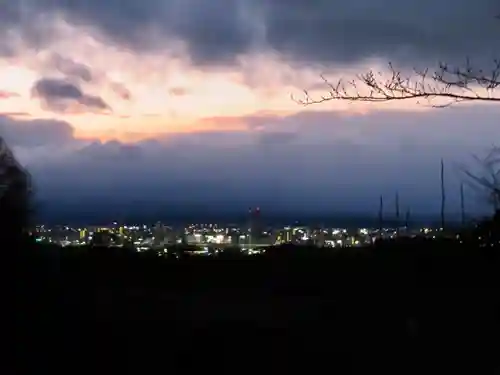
[
  {"x": 61, "y": 96},
  {"x": 213, "y": 31},
  {"x": 330, "y": 163},
  {"x": 315, "y": 30},
  {"x": 26, "y": 20},
  {"x": 71, "y": 68},
  {"x": 10, "y": 12},
  {"x": 93, "y": 102},
  {"x": 339, "y": 176},
  {"x": 75, "y": 71},
  {"x": 35, "y": 133},
  {"x": 401, "y": 29}
]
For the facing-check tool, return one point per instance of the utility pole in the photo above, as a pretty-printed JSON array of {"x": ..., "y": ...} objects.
[
  {"x": 407, "y": 217},
  {"x": 381, "y": 214},
  {"x": 462, "y": 204},
  {"x": 397, "y": 213}
]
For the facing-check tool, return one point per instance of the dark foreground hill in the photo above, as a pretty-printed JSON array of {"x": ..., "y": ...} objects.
[{"x": 411, "y": 306}]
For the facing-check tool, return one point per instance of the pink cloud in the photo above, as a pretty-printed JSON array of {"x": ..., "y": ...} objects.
[{"x": 8, "y": 94}]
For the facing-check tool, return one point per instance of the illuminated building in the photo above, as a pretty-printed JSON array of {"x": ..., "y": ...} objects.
[
  {"x": 83, "y": 234},
  {"x": 279, "y": 238},
  {"x": 288, "y": 235}
]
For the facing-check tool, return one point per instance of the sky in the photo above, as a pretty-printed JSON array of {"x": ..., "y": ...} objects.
[{"x": 121, "y": 104}]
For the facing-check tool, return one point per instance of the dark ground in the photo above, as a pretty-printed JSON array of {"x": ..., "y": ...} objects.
[{"x": 410, "y": 307}]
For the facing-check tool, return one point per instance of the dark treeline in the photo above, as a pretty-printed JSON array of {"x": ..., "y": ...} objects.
[{"x": 400, "y": 306}]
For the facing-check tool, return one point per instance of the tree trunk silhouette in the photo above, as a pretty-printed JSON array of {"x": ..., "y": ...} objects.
[
  {"x": 397, "y": 212},
  {"x": 381, "y": 214}
]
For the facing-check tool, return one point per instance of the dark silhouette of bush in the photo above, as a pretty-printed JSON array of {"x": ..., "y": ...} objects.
[
  {"x": 15, "y": 199},
  {"x": 401, "y": 305}
]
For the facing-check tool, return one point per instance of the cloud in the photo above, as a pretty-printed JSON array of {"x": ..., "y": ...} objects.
[
  {"x": 312, "y": 31},
  {"x": 76, "y": 73},
  {"x": 63, "y": 96},
  {"x": 8, "y": 95},
  {"x": 178, "y": 91},
  {"x": 35, "y": 133},
  {"x": 121, "y": 91},
  {"x": 110, "y": 152},
  {"x": 70, "y": 68},
  {"x": 24, "y": 23},
  {"x": 329, "y": 163},
  {"x": 276, "y": 138}
]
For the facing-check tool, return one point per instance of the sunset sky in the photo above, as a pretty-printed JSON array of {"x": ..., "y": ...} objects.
[{"x": 188, "y": 101}]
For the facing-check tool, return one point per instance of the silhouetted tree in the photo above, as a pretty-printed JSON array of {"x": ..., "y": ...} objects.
[
  {"x": 462, "y": 204},
  {"x": 381, "y": 214},
  {"x": 486, "y": 178},
  {"x": 407, "y": 217},
  {"x": 15, "y": 197},
  {"x": 397, "y": 209}
]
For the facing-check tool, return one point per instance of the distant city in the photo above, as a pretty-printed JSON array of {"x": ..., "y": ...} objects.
[{"x": 210, "y": 238}]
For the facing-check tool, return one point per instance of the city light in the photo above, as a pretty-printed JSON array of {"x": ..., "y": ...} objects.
[{"x": 210, "y": 239}]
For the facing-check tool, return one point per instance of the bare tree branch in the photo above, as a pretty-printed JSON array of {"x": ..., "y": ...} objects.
[
  {"x": 487, "y": 180},
  {"x": 455, "y": 85}
]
